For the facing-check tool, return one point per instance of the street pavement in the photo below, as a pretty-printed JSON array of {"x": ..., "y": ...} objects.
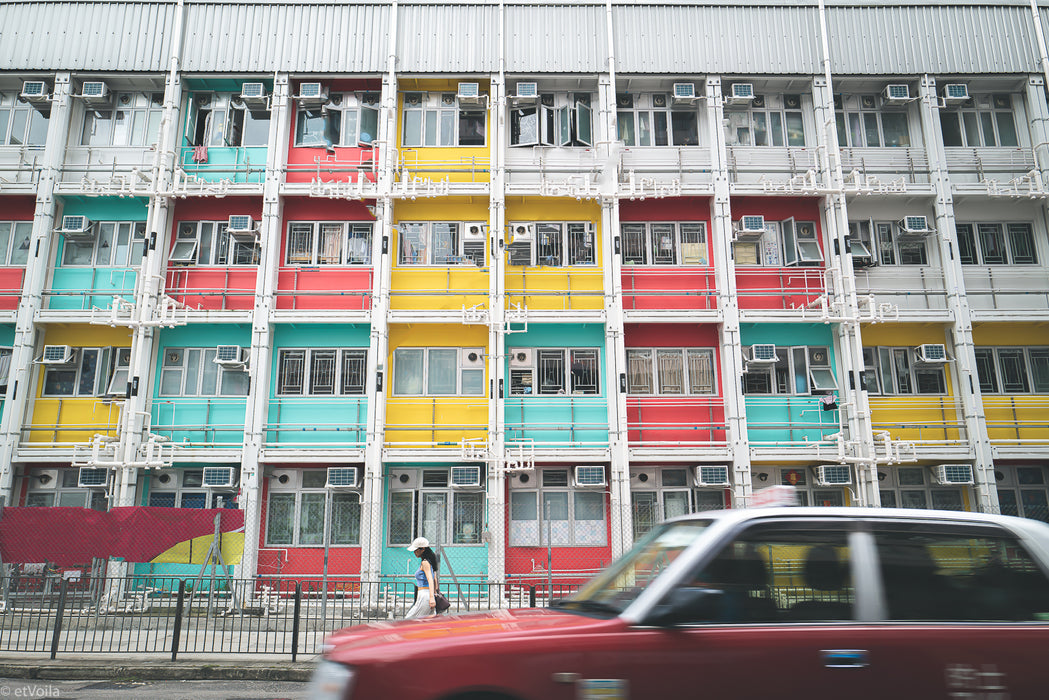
[
  {"x": 152, "y": 667},
  {"x": 121, "y": 689}
]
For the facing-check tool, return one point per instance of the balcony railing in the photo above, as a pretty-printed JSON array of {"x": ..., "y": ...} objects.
[{"x": 925, "y": 421}]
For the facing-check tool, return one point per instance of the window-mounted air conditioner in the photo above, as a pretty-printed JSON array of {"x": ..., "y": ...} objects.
[
  {"x": 312, "y": 95},
  {"x": 466, "y": 477},
  {"x": 520, "y": 357},
  {"x": 762, "y": 353},
  {"x": 526, "y": 93},
  {"x": 712, "y": 476},
  {"x": 740, "y": 94},
  {"x": 914, "y": 226},
  {"x": 92, "y": 478},
  {"x": 218, "y": 477},
  {"x": 589, "y": 476},
  {"x": 955, "y": 93},
  {"x": 474, "y": 231},
  {"x": 57, "y": 355},
  {"x": 95, "y": 94},
  {"x": 35, "y": 92},
  {"x": 44, "y": 479},
  {"x": 254, "y": 95},
  {"x": 931, "y": 353},
  {"x": 341, "y": 477},
  {"x": 242, "y": 228},
  {"x": 952, "y": 474},
  {"x": 833, "y": 475},
  {"x": 472, "y": 357},
  {"x": 896, "y": 94},
  {"x": 750, "y": 227},
  {"x": 230, "y": 356},
  {"x": 522, "y": 232},
  {"x": 78, "y": 229},
  {"x": 469, "y": 95},
  {"x": 684, "y": 93}
]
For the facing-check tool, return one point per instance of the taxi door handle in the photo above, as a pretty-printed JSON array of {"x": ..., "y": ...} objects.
[{"x": 844, "y": 658}]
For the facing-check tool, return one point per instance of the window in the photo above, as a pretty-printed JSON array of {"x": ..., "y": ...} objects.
[
  {"x": 349, "y": 119},
  {"x": 184, "y": 488},
  {"x": 20, "y": 123},
  {"x": 551, "y": 372},
  {"x": 767, "y": 122},
  {"x": 438, "y": 372},
  {"x": 305, "y": 516},
  {"x": 785, "y": 243},
  {"x": 912, "y": 487},
  {"x": 442, "y": 243},
  {"x": 670, "y": 371},
  {"x": 987, "y": 121},
  {"x": 193, "y": 372},
  {"x": 554, "y": 244},
  {"x": 133, "y": 120},
  {"x": 797, "y": 370},
  {"x": 15, "y": 237},
  {"x": 321, "y": 372},
  {"x": 1022, "y": 491},
  {"x": 222, "y": 120},
  {"x": 889, "y": 246},
  {"x": 208, "y": 243},
  {"x": 335, "y": 243},
  {"x": 1023, "y": 370},
  {"x": 665, "y": 244},
  {"x": 899, "y": 371},
  {"x": 649, "y": 120},
  {"x": 424, "y": 504},
  {"x": 659, "y": 494},
  {"x": 433, "y": 119},
  {"x": 558, "y": 120},
  {"x": 5, "y": 367},
  {"x": 945, "y": 573},
  {"x": 862, "y": 125},
  {"x": 117, "y": 244},
  {"x": 808, "y": 492},
  {"x": 556, "y": 512},
  {"x": 65, "y": 493},
  {"x": 92, "y": 372},
  {"x": 996, "y": 244}
]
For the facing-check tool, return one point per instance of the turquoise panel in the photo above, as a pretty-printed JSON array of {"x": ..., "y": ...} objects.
[
  {"x": 323, "y": 335},
  {"x": 200, "y": 335},
  {"x": 171, "y": 573},
  {"x": 106, "y": 208},
  {"x": 305, "y": 421},
  {"x": 236, "y": 164},
  {"x": 82, "y": 288},
  {"x": 7, "y": 335},
  {"x": 788, "y": 334}
]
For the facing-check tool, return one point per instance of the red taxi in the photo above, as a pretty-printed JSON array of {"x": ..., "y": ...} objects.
[{"x": 760, "y": 603}]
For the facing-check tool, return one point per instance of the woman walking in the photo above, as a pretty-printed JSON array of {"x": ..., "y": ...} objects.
[{"x": 425, "y": 580}]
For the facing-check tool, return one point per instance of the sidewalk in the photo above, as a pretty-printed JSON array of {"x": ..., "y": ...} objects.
[{"x": 155, "y": 667}]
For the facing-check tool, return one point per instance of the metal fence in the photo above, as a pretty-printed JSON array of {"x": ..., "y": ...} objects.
[{"x": 163, "y": 615}]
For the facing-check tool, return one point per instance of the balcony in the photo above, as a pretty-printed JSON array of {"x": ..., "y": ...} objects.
[
  {"x": 66, "y": 422},
  {"x": 665, "y": 172},
  {"x": 447, "y": 288},
  {"x": 918, "y": 291},
  {"x": 675, "y": 424},
  {"x": 757, "y": 169},
  {"x": 555, "y": 290},
  {"x": 982, "y": 165},
  {"x": 20, "y": 169},
  {"x": 654, "y": 293},
  {"x": 324, "y": 288},
  {"x": 219, "y": 170},
  {"x": 771, "y": 291},
  {"x": 114, "y": 171},
  {"x": 439, "y": 425},
  {"x": 791, "y": 423},
  {"x": 316, "y": 424},
  {"x": 554, "y": 172},
  {"x": 200, "y": 422},
  {"x": 935, "y": 425},
  {"x": 84, "y": 288},
  {"x": 1017, "y": 425},
  {"x": 556, "y": 423},
  {"x": 877, "y": 170},
  {"x": 1007, "y": 292},
  {"x": 213, "y": 288}
]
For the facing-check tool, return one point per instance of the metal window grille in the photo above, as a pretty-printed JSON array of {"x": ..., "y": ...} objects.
[
  {"x": 580, "y": 244},
  {"x": 693, "y": 244},
  {"x": 359, "y": 244},
  {"x": 290, "y": 377},
  {"x": 664, "y": 246},
  {"x": 701, "y": 371},
  {"x": 549, "y": 244},
  {"x": 639, "y": 371},
  {"x": 584, "y": 372},
  {"x": 671, "y": 371},
  {"x": 322, "y": 372},
  {"x": 300, "y": 244},
  {"x": 354, "y": 364},
  {"x": 444, "y": 238},
  {"x": 551, "y": 365},
  {"x": 634, "y": 244},
  {"x": 1021, "y": 245},
  {"x": 329, "y": 248}
]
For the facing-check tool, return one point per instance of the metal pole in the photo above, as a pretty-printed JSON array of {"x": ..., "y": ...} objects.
[
  {"x": 177, "y": 633},
  {"x": 295, "y": 622},
  {"x": 58, "y": 618},
  {"x": 549, "y": 558},
  {"x": 327, "y": 548}
]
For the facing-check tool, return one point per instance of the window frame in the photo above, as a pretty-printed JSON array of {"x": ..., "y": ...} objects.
[
  {"x": 400, "y": 357},
  {"x": 447, "y": 121},
  {"x": 312, "y": 355},
  {"x": 566, "y": 244},
  {"x": 984, "y": 111},
  {"x": 456, "y": 500},
  {"x": 95, "y": 499},
  {"x": 343, "y": 116},
  {"x": 147, "y": 107},
  {"x": 559, "y": 119},
  {"x": 843, "y": 118},
  {"x": 654, "y": 107},
  {"x": 34, "y": 123},
  {"x": 205, "y": 360},
  {"x": 181, "y": 490},
  {"x": 765, "y": 108},
  {"x": 651, "y": 366},
  {"x": 349, "y": 231},
  {"x": 14, "y": 235},
  {"x": 541, "y": 489},
  {"x": 770, "y": 249},
  {"x": 900, "y": 366},
  {"x": 792, "y": 359},
  {"x": 125, "y": 240},
  {"x": 991, "y": 357},
  {"x": 440, "y": 244},
  {"x": 106, "y": 356},
  {"x": 563, "y": 385},
  {"x": 646, "y": 232},
  {"x": 661, "y": 489},
  {"x": 298, "y": 490},
  {"x": 221, "y": 249},
  {"x": 972, "y": 242},
  {"x": 224, "y": 121}
]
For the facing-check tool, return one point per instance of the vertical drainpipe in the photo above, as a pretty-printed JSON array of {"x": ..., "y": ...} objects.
[
  {"x": 496, "y": 486},
  {"x": 725, "y": 279},
  {"x": 620, "y": 521},
  {"x": 854, "y": 406},
  {"x": 383, "y": 242},
  {"x": 1037, "y": 114},
  {"x": 21, "y": 383}
]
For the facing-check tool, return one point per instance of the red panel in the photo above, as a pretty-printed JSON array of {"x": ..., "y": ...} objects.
[
  {"x": 668, "y": 209},
  {"x": 673, "y": 335},
  {"x": 342, "y": 165},
  {"x": 318, "y": 209},
  {"x": 207, "y": 209},
  {"x": 668, "y": 288},
  {"x": 779, "y": 288},
  {"x": 18, "y": 208},
  {"x": 778, "y": 208},
  {"x": 676, "y": 420},
  {"x": 324, "y": 288},
  {"x": 309, "y": 561},
  {"x": 10, "y": 287},
  {"x": 213, "y": 288}
]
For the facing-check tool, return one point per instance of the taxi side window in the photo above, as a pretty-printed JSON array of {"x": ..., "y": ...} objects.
[
  {"x": 781, "y": 575},
  {"x": 959, "y": 574}
]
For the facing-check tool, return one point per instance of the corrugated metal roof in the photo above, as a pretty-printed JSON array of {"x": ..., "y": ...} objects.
[
  {"x": 912, "y": 40},
  {"x": 743, "y": 40},
  {"x": 556, "y": 39},
  {"x": 101, "y": 36},
  {"x": 447, "y": 38}
]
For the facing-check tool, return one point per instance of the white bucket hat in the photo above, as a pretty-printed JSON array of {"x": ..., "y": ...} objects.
[{"x": 418, "y": 543}]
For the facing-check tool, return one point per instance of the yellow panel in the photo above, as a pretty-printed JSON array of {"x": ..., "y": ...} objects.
[
  {"x": 438, "y": 288},
  {"x": 553, "y": 209},
  {"x": 68, "y": 420},
  {"x": 435, "y": 421},
  {"x": 436, "y": 335},
  {"x": 930, "y": 420},
  {"x": 1010, "y": 334},
  {"x": 445, "y": 209},
  {"x": 86, "y": 336},
  {"x": 903, "y": 334},
  {"x": 1016, "y": 420}
]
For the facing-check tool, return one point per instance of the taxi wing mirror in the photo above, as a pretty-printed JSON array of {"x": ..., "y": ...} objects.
[{"x": 686, "y": 605}]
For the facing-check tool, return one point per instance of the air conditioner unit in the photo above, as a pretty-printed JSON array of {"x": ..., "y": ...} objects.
[
  {"x": 914, "y": 226},
  {"x": 931, "y": 353},
  {"x": 285, "y": 478},
  {"x": 523, "y": 480},
  {"x": 404, "y": 479},
  {"x": 57, "y": 355},
  {"x": 341, "y": 477},
  {"x": 78, "y": 229},
  {"x": 95, "y": 94},
  {"x": 241, "y": 227},
  {"x": 35, "y": 92},
  {"x": 92, "y": 478},
  {"x": 712, "y": 476},
  {"x": 469, "y": 95},
  {"x": 520, "y": 357},
  {"x": 522, "y": 231},
  {"x": 44, "y": 479},
  {"x": 643, "y": 477},
  {"x": 740, "y": 94},
  {"x": 952, "y": 474},
  {"x": 165, "y": 478},
  {"x": 750, "y": 227},
  {"x": 763, "y": 353},
  {"x": 473, "y": 231},
  {"x": 219, "y": 477},
  {"x": 527, "y": 93},
  {"x": 254, "y": 95},
  {"x": 589, "y": 476},
  {"x": 896, "y": 94},
  {"x": 955, "y": 93},
  {"x": 684, "y": 93},
  {"x": 833, "y": 475},
  {"x": 230, "y": 356},
  {"x": 312, "y": 95},
  {"x": 472, "y": 357},
  {"x": 466, "y": 477}
]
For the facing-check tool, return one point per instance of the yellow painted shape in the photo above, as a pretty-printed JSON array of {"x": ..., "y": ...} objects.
[
  {"x": 68, "y": 420},
  {"x": 438, "y": 288},
  {"x": 903, "y": 334},
  {"x": 1016, "y": 420},
  {"x": 923, "y": 420},
  {"x": 1004, "y": 334},
  {"x": 195, "y": 550},
  {"x": 435, "y": 335},
  {"x": 444, "y": 209}
]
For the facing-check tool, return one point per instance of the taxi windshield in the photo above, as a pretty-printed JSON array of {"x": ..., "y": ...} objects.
[{"x": 616, "y": 587}]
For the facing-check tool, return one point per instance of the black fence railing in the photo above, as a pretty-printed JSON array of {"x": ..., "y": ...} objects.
[{"x": 146, "y": 614}]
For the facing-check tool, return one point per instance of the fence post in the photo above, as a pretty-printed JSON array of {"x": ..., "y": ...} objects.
[
  {"x": 295, "y": 622},
  {"x": 177, "y": 633},
  {"x": 58, "y": 617},
  {"x": 531, "y": 596}
]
